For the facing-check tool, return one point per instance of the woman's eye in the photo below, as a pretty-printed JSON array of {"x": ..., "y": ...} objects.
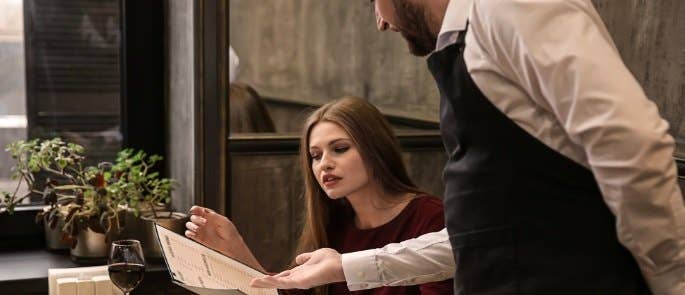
[
  {"x": 341, "y": 150},
  {"x": 315, "y": 157}
]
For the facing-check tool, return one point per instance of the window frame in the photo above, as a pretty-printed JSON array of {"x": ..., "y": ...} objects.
[
  {"x": 142, "y": 103},
  {"x": 211, "y": 90}
]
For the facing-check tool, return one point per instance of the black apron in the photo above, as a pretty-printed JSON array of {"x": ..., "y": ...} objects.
[{"x": 522, "y": 218}]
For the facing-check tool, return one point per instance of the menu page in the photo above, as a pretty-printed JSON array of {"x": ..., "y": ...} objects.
[{"x": 204, "y": 270}]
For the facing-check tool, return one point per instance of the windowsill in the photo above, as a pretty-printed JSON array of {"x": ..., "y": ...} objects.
[
  {"x": 27, "y": 270},
  {"x": 34, "y": 264}
]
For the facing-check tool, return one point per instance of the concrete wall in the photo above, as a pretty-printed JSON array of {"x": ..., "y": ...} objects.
[
  {"x": 317, "y": 50},
  {"x": 180, "y": 94}
]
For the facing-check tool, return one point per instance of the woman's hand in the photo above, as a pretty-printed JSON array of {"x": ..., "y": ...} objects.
[
  {"x": 219, "y": 233},
  {"x": 211, "y": 229}
]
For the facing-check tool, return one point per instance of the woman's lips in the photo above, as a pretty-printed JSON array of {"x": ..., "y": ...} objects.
[{"x": 330, "y": 181}]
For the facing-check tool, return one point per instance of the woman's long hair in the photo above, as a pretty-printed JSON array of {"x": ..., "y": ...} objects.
[{"x": 378, "y": 148}]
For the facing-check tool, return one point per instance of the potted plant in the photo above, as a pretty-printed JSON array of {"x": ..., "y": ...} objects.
[
  {"x": 148, "y": 198},
  {"x": 88, "y": 205},
  {"x": 79, "y": 203}
]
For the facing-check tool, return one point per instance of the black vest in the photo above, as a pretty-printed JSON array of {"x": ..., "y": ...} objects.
[{"x": 522, "y": 218}]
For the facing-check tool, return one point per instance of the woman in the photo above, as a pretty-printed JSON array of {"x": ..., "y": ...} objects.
[{"x": 357, "y": 192}]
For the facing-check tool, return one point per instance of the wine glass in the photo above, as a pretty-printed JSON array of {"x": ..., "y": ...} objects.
[{"x": 126, "y": 264}]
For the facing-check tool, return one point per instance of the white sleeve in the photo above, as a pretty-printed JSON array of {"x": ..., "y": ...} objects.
[
  {"x": 562, "y": 55},
  {"x": 427, "y": 258}
]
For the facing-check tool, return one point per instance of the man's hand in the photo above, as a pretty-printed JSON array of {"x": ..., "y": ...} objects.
[{"x": 321, "y": 267}]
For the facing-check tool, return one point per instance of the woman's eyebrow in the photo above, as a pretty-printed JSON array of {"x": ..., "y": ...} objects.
[{"x": 332, "y": 142}]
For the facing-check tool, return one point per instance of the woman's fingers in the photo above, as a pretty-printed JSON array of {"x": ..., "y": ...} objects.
[
  {"x": 198, "y": 220},
  {"x": 190, "y": 234},
  {"x": 192, "y": 226},
  {"x": 197, "y": 210}
]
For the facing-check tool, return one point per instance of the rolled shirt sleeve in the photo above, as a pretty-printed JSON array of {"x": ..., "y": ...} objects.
[
  {"x": 562, "y": 55},
  {"x": 427, "y": 258}
]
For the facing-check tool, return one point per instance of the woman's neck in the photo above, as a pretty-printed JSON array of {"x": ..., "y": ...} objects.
[{"x": 373, "y": 209}]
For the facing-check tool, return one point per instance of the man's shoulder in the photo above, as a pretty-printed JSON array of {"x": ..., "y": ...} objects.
[{"x": 511, "y": 8}]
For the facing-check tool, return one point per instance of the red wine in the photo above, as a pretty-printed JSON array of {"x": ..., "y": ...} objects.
[{"x": 126, "y": 276}]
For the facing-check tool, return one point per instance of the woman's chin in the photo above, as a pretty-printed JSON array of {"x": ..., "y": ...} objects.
[{"x": 334, "y": 195}]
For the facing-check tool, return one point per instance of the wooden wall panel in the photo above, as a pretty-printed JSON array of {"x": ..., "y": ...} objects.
[
  {"x": 425, "y": 169},
  {"x": 266, "y": 205}
]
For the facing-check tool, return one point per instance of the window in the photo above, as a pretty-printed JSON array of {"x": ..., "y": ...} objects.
[
  {"x": 12, "y": 91},
  {"x": 73, "y": 76},
  {"x": 67, "y": 71}
]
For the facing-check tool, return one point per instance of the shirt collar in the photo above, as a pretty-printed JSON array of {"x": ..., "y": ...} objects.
[{"x": 456, "y": 17}]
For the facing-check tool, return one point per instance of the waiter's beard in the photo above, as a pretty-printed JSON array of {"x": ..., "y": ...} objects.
[{"x": 413, "y": 25}]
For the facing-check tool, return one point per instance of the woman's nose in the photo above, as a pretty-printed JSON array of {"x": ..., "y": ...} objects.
[{"x": 327, "y": 163}]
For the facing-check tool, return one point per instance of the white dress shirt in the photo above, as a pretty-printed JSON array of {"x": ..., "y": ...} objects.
[{"x": 552, "y": 68}]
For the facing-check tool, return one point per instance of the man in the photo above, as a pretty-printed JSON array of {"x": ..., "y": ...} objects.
[{"x": 560, "y": 177}]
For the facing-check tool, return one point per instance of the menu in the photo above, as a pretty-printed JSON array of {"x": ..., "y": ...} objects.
[{"x": 203, "y": 270}]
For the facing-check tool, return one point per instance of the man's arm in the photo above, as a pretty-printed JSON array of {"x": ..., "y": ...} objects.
[
  {"x": 561, "y": 54},
  {"x": 427, "y": 258}
]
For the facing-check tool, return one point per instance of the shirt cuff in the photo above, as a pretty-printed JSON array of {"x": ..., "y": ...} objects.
[{"x": 361, "y": 270}]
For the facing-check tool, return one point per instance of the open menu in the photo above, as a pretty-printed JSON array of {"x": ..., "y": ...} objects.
[{"x": 203, "y": 270}]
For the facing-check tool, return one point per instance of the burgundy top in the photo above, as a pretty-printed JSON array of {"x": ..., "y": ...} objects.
[{"x": 423, "y": 214}]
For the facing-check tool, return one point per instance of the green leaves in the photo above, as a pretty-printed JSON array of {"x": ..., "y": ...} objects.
[
  {"x": 136, "y": 181},
  {"x": 90, "y": 195}
]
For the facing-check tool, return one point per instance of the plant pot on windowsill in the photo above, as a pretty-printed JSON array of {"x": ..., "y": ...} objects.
[
  {"x": 143, "y": 229},
  {"x": 92, "y": 241},
  {"x": 91, "y": 248},
  {"x": 88, "y": 200},
  {"x": 54, "y": 238}
]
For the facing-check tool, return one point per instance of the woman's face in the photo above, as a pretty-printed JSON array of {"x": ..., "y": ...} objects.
[{"x": 336, "y": 162}]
